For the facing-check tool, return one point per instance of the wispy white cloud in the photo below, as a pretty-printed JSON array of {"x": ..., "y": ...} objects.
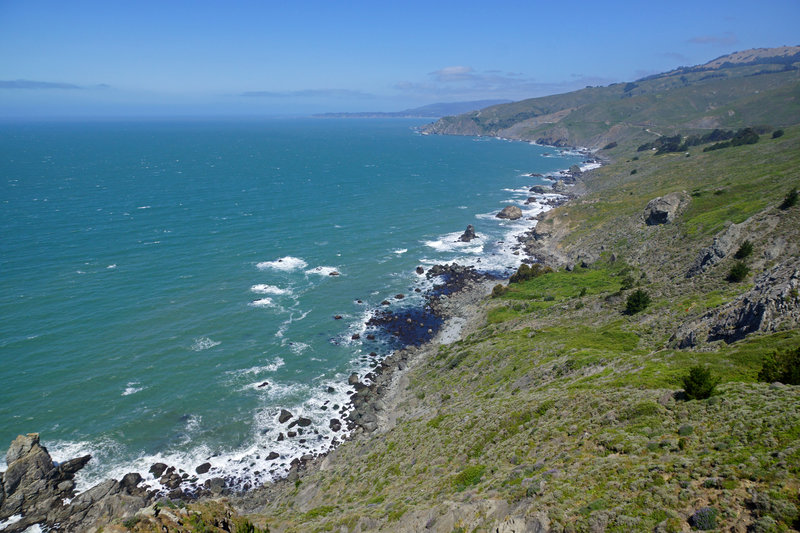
[
  {"x": 464, "y": 82},
  {"x": 30, "y": 84},
  {"x": 726, "y": 39}
]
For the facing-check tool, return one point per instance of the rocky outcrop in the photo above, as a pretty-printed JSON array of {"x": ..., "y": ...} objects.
[
  {"x": 468, "y": 234},
  {"x": 43, "y": 492},
  {"x": 541, "y": 189},
  {"x": 510, "y": 212},
  {"x": 771, "y": 305},
  {"x": 664, "y": 209},
  {"x": 724, "y": 244}
]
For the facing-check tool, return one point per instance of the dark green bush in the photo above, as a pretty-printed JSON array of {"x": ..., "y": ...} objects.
[
  {"x": 704, "y": 519},
  {"x": 471, "y": 475},
  {"x": 498, "y": 290},
  {"x": 744, "y": 251},
  {"x": 698, "y": 383},
  {"x": 777, "y": 133},
  {"x": 634, "y": 171},
  {"x": 637, "y": 301},
  {"x": 526, "y": 272},
  {"x": 610, "y": 145},
  {"x": 783, "y": 367},
  {"x": 738, "y": 272},
  {"x": 790, "y": 200}
]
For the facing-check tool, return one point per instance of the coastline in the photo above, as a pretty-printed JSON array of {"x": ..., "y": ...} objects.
[{"x": 377, "y": 402}]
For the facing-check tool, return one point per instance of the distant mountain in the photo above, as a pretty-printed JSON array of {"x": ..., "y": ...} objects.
[
  {"x": 437, "y": 110},
  {"x": 759, "y": 86}
]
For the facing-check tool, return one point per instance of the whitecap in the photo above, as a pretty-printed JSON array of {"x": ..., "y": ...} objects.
[
  {"x": 112, "y": 266},
  {"x": 323, "y": 271},
  {"x": 261, "y": 302},
  {"x": 400, "y": 251},
  {"x": 204, "y": 343},
  {"x": 132, "y": 388},
  {"x": 298, "y": 347},
  {"x": 450, "y": 243},
  {"x": 271, "y": 367},
  {"x": 262, "y": 288},
  {"x": 284, "y": 264}
]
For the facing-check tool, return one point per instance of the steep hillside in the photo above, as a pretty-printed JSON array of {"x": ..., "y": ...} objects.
[{"x": 728, "y": 92}]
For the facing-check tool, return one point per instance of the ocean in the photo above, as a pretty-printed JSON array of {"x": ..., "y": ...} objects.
[{"x": 167, "y": 287}]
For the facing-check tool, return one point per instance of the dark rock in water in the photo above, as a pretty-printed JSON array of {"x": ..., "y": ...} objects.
[
  {"x": 541, "y": 189},
  {"x": 203, "y": 468},
  {"x": 303, "y": 422},
  {"x": 281, "y": 437},
  {"x": 158, "y": 469},
  {"x": 355, "y": 336},
  {"x": 468, "y": 234},
  {"x": 291, "y": 434},
  {"x": 330, "y": 390},
  {"x": 131, "y": 480},
  {"x": 353, "y": 379},
  {"x": 333, "y": 273},
  {"x": 385, "y": 302},
  {"x": 420, "y": 270},
  {"x": 371, "y": 337},
  {"x": 272, "y": 456},
  {"x": 335, "y": 424},
  {"x": 284, "y": 416},
  {"x": 337, "y": 317},
  {"x": 399, "y": 296},
  {"x": 263, "y": 384},
  {"x": 417, "y": 290},
  {"x": 510, "y": 212}
]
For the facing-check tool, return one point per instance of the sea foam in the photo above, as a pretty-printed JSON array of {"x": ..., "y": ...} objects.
[{"x": 284, "y": 264}]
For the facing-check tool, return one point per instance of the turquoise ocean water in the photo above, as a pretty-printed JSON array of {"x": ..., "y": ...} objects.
[{"x": 165, "y": 287}]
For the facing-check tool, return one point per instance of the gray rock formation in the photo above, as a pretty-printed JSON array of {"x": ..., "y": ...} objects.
[
  {"x": 560, "y": 186},
  {"x": 43, "y": 492},
  {"x": 664, "y": 209},
  {"x": 468, "y": 234},
  {"x": 541, "y": 189},
  {"x": 725, "y": 243},
  {"x": 771, "y": 305},
  {"x": 510, "y": 212}
]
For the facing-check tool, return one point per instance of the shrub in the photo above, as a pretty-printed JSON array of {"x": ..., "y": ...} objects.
[
  {"x": 610, "y": 145},
  {"x": 498, "y": 290},
  {"x": 637, "y": 301},
  {"x": 790, "y": 200},
  {"x": 130, "y": 523},
  {"x": 704, "y": 519},
  {"x": 698, "y": 383},
  {"x": 744, "y": 251},
  {"x": 471, "y": 475},
  {"x": 634, "y": 171},
  {"x": 777, "y": 133},
  {"x": 526, "y": 272},
  {"x": 784, "y": 367},
  {"x": 738, "y": 272}
]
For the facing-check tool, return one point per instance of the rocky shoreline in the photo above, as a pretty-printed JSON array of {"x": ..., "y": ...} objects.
[{"x": 36, "y": 490}]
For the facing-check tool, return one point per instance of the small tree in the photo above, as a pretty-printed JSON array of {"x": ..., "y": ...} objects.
[
  {"x": 738, "y": 272},
  {"x": 790, "y": 200},
  {"x": 698, "y": 383},
  {"x": 637, "y": 301},
  {"x": 777, "y": 133},
  {"x": 744, "y": 250},
  {"x": 783, "y": 367}
]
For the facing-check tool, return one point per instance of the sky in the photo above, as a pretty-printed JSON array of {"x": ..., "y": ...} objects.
[{"x": 87, "y": 58}]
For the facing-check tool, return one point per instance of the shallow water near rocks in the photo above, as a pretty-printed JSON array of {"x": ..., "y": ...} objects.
[{"x": 167, "y": 287}]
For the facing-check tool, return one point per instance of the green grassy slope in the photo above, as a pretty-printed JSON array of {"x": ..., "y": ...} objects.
[{"x": 686, "y": 100}]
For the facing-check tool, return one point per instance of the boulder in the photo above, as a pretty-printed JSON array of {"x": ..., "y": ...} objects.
[
  {"x": 510, "y": 212},
  {"x": 541, "y": 189},
  {"x": 664, "y": 209},
  {"x": 284, "y": 416},
  {"x": 272, "y": 456},
  {"x": 353, "y": 379},
  {"x": 420, "y": 270},
  {"x": 560, "y": 186},
  {"x": 158, "y": 469},
  {"x": 468, "y": 234},
  {"x": 335, "y": 424},
  {"x": 725, "y": 243},
  {"x": 203, "y": 468}
]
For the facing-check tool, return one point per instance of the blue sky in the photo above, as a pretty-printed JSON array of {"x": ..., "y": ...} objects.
[{"x": 175, "y": 57}]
